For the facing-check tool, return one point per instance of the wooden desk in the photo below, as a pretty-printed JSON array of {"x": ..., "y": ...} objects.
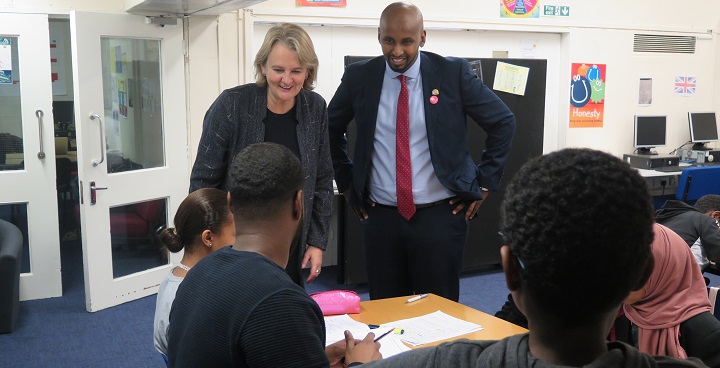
[{"x": 393, "y": 309}]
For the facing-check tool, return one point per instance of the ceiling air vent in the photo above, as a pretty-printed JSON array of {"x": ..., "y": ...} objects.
[{"x": 664, "y": 44}]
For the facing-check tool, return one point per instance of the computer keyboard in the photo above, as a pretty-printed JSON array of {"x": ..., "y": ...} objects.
[
  {"x": 669, "y": 168},
  {"x": 705, "y": 164}
]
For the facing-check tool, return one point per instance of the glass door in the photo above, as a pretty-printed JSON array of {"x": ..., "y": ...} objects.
[
  {"x": 28, "y": 196},
  {"x": 132, "y": 156}
]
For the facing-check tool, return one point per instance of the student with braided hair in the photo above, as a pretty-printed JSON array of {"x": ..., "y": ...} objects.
[{"x": 203, "y": 224}]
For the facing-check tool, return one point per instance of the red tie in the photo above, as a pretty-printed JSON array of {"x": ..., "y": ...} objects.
[{"x": 403, "y": 166}]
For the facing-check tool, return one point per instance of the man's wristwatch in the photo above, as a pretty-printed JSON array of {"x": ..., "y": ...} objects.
[{"x": 483, "y": 189}]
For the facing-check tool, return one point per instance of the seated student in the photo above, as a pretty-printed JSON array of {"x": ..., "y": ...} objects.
[
  {"x": 578, "y": 224},
  {"x": 672, "y": 310},
  {"x": 238, "y": 307},
  {"x": 203, "y": 224},
  {"x": 697, "y": 226}
]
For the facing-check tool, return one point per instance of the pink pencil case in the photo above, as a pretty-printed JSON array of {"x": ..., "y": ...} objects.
[{"x": 337, "y": 302}]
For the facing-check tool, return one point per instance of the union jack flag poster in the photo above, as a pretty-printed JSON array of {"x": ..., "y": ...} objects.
[{"x": 685, "y": 86}]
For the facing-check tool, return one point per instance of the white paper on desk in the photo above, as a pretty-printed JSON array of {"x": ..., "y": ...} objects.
[
  {"x": 392, "y": 345},
  {"x": 335, "y": 327},
  {"x": 433, "y": 327}
]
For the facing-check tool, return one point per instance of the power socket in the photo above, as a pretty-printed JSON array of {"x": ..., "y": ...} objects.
[{"x": 662, "y": 185}]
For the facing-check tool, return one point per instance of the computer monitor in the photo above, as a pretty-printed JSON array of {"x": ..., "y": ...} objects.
[
  {"x": 650, "y": 132},
  {"x": 703, "y": 129}
]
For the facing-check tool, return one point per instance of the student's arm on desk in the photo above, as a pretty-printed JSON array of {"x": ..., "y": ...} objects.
[{"x": 459, "y": 353}]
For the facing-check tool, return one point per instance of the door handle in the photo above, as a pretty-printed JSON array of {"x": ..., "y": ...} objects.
[
  {"x": 102, "y": 140},
  {"x": 93, "y": 189},
  {"x": 39, "y": 114}
]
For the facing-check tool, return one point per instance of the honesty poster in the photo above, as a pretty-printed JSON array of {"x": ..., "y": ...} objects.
[{"x": 587, "y": 95}]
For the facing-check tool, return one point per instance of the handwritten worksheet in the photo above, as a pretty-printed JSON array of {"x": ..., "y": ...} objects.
[
  {"x": 433, "y": 327},
  {"x": 335, "y": 327}
]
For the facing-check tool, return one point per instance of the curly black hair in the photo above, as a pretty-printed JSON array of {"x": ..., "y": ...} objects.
[
  {"x": 580, "y": 223},
  {"x": 708, "y": 203},
  {"x": 262, "y": 178}
]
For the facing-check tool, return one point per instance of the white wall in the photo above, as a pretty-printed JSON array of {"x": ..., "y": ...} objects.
[
  {"x": 62, "y": 6},
  {"x": 592, "y": 34},
  {"x": 624, "y": 68},
  {"x": 220, "y": 48}
]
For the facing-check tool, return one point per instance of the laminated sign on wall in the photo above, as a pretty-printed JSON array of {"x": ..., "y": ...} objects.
[{"x": 587, "y": 95}]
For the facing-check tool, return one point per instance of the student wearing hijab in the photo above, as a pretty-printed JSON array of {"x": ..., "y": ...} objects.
[{"x": 672, "y": 310}]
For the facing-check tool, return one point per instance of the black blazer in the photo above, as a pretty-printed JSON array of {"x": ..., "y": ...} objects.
[
  {"x": 461, "y": 94},
  {"x": 235, "y": 121}
]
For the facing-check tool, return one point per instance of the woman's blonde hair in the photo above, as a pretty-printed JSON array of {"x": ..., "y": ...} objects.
[{"x": 294, "y": 38}]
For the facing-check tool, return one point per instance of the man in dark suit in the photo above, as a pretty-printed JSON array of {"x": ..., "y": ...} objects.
[{"x": 415, "y": 188}]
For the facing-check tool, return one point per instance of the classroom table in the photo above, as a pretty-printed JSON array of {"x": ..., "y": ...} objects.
[{"x": 392, "y": 309}]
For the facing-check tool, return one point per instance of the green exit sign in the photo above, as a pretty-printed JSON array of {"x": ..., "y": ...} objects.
[{"x": 556, "y": 10}]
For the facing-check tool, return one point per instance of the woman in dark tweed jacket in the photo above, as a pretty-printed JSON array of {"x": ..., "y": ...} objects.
[{"x": 279, "y": 107}]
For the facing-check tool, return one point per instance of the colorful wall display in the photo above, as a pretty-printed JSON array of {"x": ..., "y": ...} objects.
[
  {"x": 587, "y": 95},
  {"x": 685, "y": 85},
  {"x": 519, "y": 8}
]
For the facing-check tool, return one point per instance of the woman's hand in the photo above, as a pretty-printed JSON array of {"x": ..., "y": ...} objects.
[{"x": 315, "y": 256}]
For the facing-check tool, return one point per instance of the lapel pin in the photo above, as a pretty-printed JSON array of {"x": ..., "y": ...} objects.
[
  {"x": 433, "y": 100},
  {"x": 435, "y": 92}
]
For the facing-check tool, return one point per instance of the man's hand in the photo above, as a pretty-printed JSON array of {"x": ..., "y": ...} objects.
[
  {"x": 336, "y": 353},
  {"x": 314, "y": 255},
  {"x": 471, "y": 209},
  {"x": 356, "y": 207},
  {"x": 363, "y": 351}
]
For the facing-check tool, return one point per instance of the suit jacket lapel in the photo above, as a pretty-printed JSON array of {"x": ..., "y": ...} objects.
[
  {"x": 376, "y": 76},
  {"x": 430, "y": 82}
]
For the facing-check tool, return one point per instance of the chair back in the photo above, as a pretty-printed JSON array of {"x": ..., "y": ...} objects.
[
  {"x": 149, "y": 211},
  {"x": 61, "y": 145},
  {"x": 11, "y": 244},
  {"x": 714, "y": 303},
  {"x": 695, "y": 182}
]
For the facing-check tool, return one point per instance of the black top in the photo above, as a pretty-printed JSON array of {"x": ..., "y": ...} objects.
[
  {"x": 282, "y": 129},
  {"x": 239, "y": 309},
  {"x": 690, "y": 224},
  {"x": 235, "y": 121},
  {"x": 514, "y": 352}
]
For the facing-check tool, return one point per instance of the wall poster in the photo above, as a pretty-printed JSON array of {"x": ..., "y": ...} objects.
[{"x": 587, "y": 95}]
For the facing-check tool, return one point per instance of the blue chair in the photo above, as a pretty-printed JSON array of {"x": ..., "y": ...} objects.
[{"x": 695, "y": 182}]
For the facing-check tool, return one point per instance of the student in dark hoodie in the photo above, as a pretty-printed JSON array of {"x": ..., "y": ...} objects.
[
  {"x": 578, "y": 225},
  {"x": 698, "y": 226}
]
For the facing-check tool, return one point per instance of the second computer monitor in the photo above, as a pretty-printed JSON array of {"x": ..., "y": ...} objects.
[
  {"x": 703, "y": 129},
  {"x": 650, "y": 132}
]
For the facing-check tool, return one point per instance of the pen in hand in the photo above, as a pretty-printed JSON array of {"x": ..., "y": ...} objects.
[
  {"x": 416, "y": 298},
  {"x": 383, "y": 335}
]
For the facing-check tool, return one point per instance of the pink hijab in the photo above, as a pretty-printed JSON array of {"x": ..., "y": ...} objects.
[{"x": 675, "y": 292}]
